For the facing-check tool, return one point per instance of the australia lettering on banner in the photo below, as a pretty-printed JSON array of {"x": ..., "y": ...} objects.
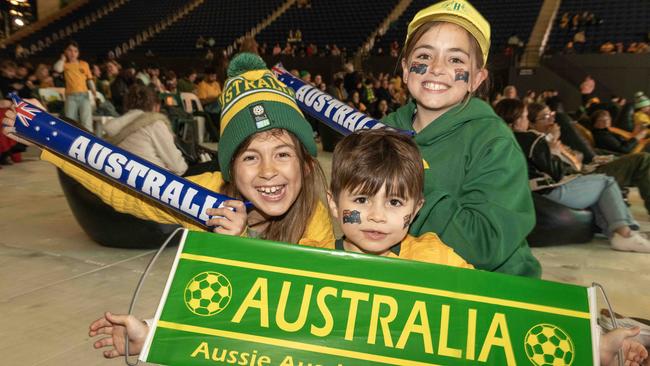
[
  {"x": 148, "y": 181},
  {"x": 314, "y": 307},
  {"x": 384, "y": 327},
  {"x": 335, "y": 110}
]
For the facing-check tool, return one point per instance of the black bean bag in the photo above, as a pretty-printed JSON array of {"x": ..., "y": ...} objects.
[
  {"x": 108, "y": 227},
  {"x": 558, "y": 224}
]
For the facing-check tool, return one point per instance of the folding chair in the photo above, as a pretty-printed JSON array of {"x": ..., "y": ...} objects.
[
  {"x": 53, "y": 99},
  {"x": 192, "y": 104},
  {"x": 98, "y": 121}
]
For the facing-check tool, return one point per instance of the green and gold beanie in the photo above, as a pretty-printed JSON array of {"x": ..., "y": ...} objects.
[{"x": 253, "y": 101}]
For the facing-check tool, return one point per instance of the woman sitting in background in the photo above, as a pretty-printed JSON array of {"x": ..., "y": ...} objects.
[
  {"x": 546, "y": 172},
  {"x": 145, "y": 132}
]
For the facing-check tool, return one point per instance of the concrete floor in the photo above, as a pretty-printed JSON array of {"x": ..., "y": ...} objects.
[{"x": 54, "y": 280}]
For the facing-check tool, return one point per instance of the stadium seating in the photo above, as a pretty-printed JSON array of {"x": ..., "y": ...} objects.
[
  {"x": 346, "y": 23},
  {"x": 505, "y": 17},
  {"x": 125, "y": 22},
  {"x": 621, "y": 22},
  {"x": 60, "y": 24},
  {"x": 222, "y": 20},
  {"x": 117, "y": 27}
]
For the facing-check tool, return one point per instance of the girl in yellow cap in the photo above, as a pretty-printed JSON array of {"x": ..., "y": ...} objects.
[
  {"x": 476, "y": 191},
  {"x": 266, "y": 154}
]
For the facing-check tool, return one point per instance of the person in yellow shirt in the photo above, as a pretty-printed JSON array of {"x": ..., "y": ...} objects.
[
  {"x": 209, "y": 88},
  {"x": 375, "y": 193},
  {"x": 641, "y": 110},
  {"x": 78, "y": 80}
]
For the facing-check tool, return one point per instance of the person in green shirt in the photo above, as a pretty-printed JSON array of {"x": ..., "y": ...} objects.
[
  {"x": 186, "y": 83},
  {"x": 476, "y": 186}
]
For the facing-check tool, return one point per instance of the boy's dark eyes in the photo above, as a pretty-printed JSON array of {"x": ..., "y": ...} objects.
[
  {"x": 395, "y": 202},
  {"x": 456, "y": 60},
  {"x": 423, "y": 56},
  {"x": 361, "y": 200}
]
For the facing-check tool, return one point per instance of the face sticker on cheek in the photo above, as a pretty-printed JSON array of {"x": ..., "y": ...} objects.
[
  {"x": 418, "y": 68},
  {"x": 461, "y": 75},
  {"x": 351, "y": 217},
  {"x": 407, "y": 221}
]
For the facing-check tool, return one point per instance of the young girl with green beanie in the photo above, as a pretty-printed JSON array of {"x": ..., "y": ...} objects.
[
  {"x": 476, "y": 189},
  {"x": 267, "y": 156}
]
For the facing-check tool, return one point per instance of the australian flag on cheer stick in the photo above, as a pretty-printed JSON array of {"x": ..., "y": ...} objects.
[
  {"x": 327, "y": 109},
  {"x": 114, "y": 163}
]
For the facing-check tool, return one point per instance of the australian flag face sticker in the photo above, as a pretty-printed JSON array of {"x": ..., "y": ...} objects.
[{"x": 259, "y": 116}]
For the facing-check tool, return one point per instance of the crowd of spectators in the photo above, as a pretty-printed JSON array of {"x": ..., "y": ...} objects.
[
  {"x": 595, "y": 130},
  {"x": 580, "y": 25},
  {"x": 602, "y": 136}
]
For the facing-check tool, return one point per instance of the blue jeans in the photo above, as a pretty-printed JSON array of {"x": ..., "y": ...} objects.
[
  {"x": 77, "y": 107},
  {"x": 602, "y": 195}
]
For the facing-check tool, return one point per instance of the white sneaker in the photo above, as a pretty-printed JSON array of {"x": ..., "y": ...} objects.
[{"x": 634, "y": 243}]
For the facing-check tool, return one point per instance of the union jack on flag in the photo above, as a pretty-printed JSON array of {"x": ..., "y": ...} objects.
[{"x": 25, "y": 113}]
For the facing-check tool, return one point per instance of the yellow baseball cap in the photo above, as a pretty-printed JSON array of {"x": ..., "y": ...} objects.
[{"x": 458, "y": 12}]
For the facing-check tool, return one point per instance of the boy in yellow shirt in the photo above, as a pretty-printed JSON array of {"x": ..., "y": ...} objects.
[
  {"x": 78, "y": 80},
  {"x": 375, "y": 194}
]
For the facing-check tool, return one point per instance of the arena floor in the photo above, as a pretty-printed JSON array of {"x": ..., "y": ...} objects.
[{"x": 54, "y": 280}]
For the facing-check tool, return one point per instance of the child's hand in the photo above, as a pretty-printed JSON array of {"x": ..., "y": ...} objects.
[
  {"x": 229, "y": 222},
  {"x": 114, "y": 326},
  {"x": 634, "y": 353},
  {"x": 9, "y": 121}
]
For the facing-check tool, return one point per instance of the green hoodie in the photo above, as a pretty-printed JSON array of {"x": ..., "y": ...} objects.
[{"x": 475, "y": 186}]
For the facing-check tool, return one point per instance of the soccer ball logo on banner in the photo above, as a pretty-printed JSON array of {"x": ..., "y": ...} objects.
[
  {"x": 208, "y": 293},
  {"x": 548, "y": 345}
]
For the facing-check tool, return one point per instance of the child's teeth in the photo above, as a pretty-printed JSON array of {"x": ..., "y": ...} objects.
[
  {"x": 270, "y": 190},
  {"x": 434, "y": 86}
]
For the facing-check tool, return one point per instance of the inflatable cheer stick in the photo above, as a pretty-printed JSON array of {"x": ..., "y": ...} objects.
[
  {"x": 118, "y": 165},
  {"x": 327, "y": 109}
]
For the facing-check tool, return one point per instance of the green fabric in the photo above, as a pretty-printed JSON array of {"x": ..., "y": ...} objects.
[
  {"x": 476, "y": 188},
  {"x": 185, "y": 86}
]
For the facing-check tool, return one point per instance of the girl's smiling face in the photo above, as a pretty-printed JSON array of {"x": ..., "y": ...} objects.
[
  {"x": 268, "y": 173},
  {"x": 439, "y": 71}
]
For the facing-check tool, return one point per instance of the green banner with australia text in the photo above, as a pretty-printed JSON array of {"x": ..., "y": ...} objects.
[{"x": 238, "y": 301}]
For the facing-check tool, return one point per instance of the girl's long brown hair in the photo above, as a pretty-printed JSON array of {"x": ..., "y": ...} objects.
[{"x": 291, "y": 226}]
